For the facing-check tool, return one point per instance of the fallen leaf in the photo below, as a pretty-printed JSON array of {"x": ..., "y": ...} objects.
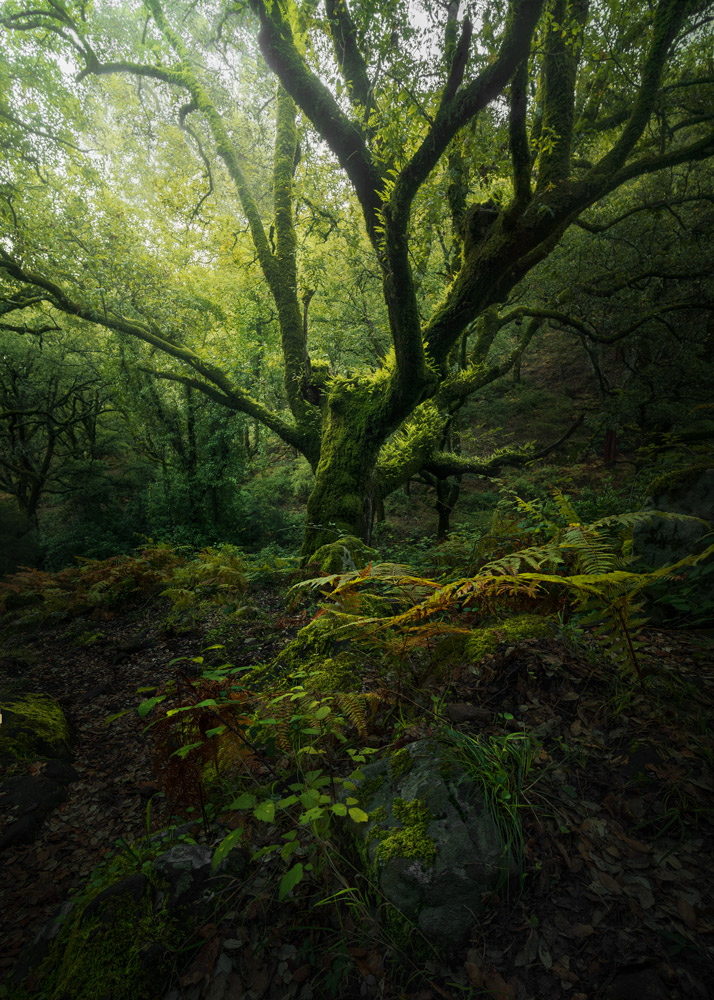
[
  {"x": 497, "y": 986},
  {"x": 583, "y": 930},
  {"x": 474, "y": 973},
  {"x": 301, "y": 973},
  {"x": 202, "y": 964},
  {"x": 687, "y": 913},
  {"x": 609, "y": 883},
  {"x": 564, "y": 973}
]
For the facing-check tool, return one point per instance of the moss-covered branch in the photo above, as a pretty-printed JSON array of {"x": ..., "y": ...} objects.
[
  {"x": 186, "y": 77},
  {"x": 213, "y": 381},
  {"x": 668, "y": 18},
  {"x": 456, "y": 110},
  {"x": 518, "y": 137},
  {"x": 286, "y": 294},
  {"x": 349, "y": 58},
  {"x": 344, "y": 138},
  {"x": 560, "y": 63}
]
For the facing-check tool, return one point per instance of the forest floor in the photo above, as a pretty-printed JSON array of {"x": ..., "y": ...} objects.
[{"x": 617, "y": 899}]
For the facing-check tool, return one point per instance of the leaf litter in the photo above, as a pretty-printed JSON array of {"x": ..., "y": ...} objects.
[{"x": 618, "y": 885}]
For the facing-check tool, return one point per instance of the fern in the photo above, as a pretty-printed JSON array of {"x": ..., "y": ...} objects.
[{"x": 586, "y": 564}]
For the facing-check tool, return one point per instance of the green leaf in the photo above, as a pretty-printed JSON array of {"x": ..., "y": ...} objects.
[
  {"x": 186, "y": 750},
  {"x": 358, "y": 815},
  {"x": 339, "y": 809},
  {"x": 265, "y": 811},
  {"x": 310, "y": 815},
  {"x": 116, "y": 715},
  {"x": 226, "y": 845},
  {"x": 289, "y": 849},
  {"x": 146, "y": 706},
  {"x": 289, "y": 880},
  {"x": 323, "y": 712},
  {"x": 245, "y": 801}
]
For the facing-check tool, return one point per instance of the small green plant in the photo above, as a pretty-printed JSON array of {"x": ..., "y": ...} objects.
[
  {"x": 500, "y": 766},
  {"x": 213, "y": 721}
]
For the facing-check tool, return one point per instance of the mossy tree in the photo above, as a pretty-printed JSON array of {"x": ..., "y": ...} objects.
[{"x": 578, "y": 99}]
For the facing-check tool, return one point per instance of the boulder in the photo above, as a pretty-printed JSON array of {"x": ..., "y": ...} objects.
[
  {"x": 186, "y": 868},
  {"x": 33, "y": 725},
  {"x": 659, "y": 540},
  {"x": 344, "y": 555},
  {"x": 28, "y": 799},
  {"x": 121, "y": 942},
  {"x": 430, "y": 841}
]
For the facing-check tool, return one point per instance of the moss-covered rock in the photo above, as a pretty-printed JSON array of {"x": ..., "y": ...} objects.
[
  {"x": 344, "y": 555},
  {"x": 669, "y": 485},
  {"x": 318, "y": 657},
  {"x": 33, "y": 725},
  {"x": 486, "y": 639},
  {"x": 117, "y": 944},
  {"x": 429, "y": 841}
]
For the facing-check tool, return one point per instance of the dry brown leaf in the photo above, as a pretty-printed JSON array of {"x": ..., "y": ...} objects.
[
  {"x": 301, "y": 973},
  {"x": 497, "y": 986},
  {"x": 474, "y": 973},
  {"x": 687, "y": 913},
  {"x": 202, "y": 964},
  {"x": 583, "y": 930},
  {"x": 564, "y": 973},
  {"x": 609, "y": 883}
]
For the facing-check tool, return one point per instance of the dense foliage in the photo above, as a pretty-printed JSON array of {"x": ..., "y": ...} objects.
[{"x": 237, "y": 234}]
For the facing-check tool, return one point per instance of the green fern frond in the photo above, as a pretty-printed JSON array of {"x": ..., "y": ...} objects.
[{"x": 565, "y": 507}]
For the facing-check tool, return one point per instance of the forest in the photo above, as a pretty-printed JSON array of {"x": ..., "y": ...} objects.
[{"x": 356, "y": 499}]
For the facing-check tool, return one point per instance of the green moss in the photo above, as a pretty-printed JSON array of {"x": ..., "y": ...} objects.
[
  {"x": 411, "y": 840},
  {"x": 39, "y": 717},
  {"x": 486, "y": 639},
  {"x": 312, "y": 659},
  {"x": 400, "y": 763},
  {"x": 676, "y": 479},
  {"x": 370, "y": 786},
  {"x": 336, "y": 673},
  {"x": 127, "y": 955},
  {"x": 377, "y": 832},
  {"x": 343, "y": 555}
]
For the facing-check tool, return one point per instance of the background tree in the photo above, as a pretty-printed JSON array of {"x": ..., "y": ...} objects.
[{"x": 520, "y": 119}]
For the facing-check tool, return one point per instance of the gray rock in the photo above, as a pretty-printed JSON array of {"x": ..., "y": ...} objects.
[
  {"x": 32, "y": 956},
  {"x": 442, "y": 893},
  {"x": 22, "y": 831},
  {"x": 61, "y": 772},
  {"x": 660, "y": 540},
  {"x": 186, "y": 868},
  {"x": 132, "y": 885},
  {"x": 32, "y": 797}
]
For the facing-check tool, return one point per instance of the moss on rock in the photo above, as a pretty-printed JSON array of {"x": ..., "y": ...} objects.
[
  {"x": 343, "y": 555},
  {"x": 121, "y": 949},
  {"x": 485, "y": 640},
  {"x": 675, "y": 480},
  {"x": 410, "y": 841},
  {"x": 33, "y": 726}
]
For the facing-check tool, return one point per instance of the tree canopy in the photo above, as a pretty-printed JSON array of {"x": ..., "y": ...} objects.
[{"x": 363, "y": 199}]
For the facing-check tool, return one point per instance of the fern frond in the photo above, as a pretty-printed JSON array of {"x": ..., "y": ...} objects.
[{"x": 565, "y": 507}]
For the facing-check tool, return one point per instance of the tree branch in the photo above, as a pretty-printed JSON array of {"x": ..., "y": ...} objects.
[{"x": 349, "y": 58}]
